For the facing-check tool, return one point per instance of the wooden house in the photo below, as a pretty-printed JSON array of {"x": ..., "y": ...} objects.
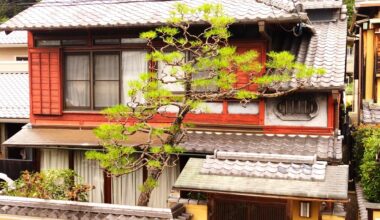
[{"x": 275, "y": 158}]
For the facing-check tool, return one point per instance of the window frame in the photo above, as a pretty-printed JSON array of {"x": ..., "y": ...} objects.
[{"x": 91, "y": 54}]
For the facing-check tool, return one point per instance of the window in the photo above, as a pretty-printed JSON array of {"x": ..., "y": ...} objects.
[
  {"x": 97, "y": 80},
  {"x": 297, "y": 108},
  {"x": 305, "y": 210},
  {"x": 78, "y": 83},
  {"x": 106, "y": 80},
  {"x": 21, "y": 58}
]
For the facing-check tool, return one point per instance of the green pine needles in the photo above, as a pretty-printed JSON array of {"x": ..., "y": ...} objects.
[{"x": 192, "y": 66}]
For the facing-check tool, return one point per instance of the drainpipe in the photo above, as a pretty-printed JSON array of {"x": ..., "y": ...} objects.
[{"x": 265, "y": 35}]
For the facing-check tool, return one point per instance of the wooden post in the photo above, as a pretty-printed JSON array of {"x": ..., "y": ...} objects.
[{"x": 370, "y": 65}]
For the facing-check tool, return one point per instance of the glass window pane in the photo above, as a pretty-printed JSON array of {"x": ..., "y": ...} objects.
[
  {"x": 106, "y": 66},
  {"x": 47, "y": 43},
  {"x": 133, "y": 64},
  {"x": 106, "y": 93},
  {"x": 74, "y": 42},
  {"x": 77, "y": 67},
  {"x": 106, "y": 41},
  {"x": 77, "y": 94}
]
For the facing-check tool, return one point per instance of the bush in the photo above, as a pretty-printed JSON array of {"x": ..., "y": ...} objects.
[
  {"x": 367, "y": 145},
  {"x": 50, "y": 184}
]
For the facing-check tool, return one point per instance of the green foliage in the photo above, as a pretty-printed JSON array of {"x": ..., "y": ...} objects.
[
  {"x": 350, "y": 88},
  {"x": 367, "y": 145},
  {"x": 350, "y": 9},
  {"x": 49, "y": 184},
  {"x": 9, "y": 8},
  {"x": 148, "y": 185},
  {"x": 205, "y": 66}
]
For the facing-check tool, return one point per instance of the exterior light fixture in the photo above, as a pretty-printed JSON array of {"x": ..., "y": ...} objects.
[{"x": 305, "y": 209}]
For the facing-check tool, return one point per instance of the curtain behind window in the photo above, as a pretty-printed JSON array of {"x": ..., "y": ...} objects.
[
  {"x": 166, "y": 181},
  {"x": 125, "y": 189},
  {"x": 106, "y": 67},
  {"x": 54, "y": 159},
  {"x": 133, "y": 64},
  {"x": 77, "y": 84},
  {"x": 90, "y": 172}
]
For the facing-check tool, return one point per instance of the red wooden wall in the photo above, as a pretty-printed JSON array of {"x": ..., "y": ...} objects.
[
  {"x": 46, "y": 89},
  {"x": 45, "y": 81}
]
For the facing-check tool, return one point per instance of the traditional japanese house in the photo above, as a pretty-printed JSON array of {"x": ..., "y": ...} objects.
[
  {"x": 275, "y": 158},
  {"x": 364, "y": 29},
  {"x": 14, "y": 100}
]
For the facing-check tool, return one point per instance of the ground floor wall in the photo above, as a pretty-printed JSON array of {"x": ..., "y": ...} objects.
[{"x": 123, "y": 190}]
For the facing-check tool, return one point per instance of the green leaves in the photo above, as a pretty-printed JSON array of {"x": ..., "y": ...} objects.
[
  {"x": 60, "y": 184},
  {"x": 367, "y": 145},
  {"x": 148, "y": 35}
]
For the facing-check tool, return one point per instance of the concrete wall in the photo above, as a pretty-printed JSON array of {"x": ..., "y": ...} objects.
[
  {"x": 8, "y": 61},
  {"x": 318, "y": 121}
]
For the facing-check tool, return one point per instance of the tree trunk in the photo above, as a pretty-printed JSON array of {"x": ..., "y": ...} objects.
[{"x": 146, "y": 193}]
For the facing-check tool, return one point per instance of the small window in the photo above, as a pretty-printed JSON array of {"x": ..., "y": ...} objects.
[
  {"x": 305, "y": 209},
  {"x": 16, "y": 153},
  {"x": 21, "y": 58},
  {"x": 76, "y": 42},
  {"x": 106, "y": 41},
  {"x": 297, "y": 108},
  {"x": 48, "y": 43},
  {"x": 133, "y": 41}
]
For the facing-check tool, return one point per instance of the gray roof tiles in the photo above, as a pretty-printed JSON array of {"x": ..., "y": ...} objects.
[
  {"x": 263, "y": 169},
  {"x": 118, "y": 13},
  {"x": 325, "y": 147},
  {"x": 326, "y": 49},
  {"x": 57, "y": 209},
  {"x": 370, "y": 113},
  {"x": 14, "y": 95},
  {"x": 334, "y": 186}
]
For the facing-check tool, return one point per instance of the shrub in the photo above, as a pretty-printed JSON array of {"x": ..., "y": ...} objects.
[
  {"x": 367, "y": 145},
  {"x": 50, "y": 184}
]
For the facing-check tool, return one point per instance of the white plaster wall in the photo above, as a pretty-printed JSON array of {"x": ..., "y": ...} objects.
[{"x": 318, "y": 121}]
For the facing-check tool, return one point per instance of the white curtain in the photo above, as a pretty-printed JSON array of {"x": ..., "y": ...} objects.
[
  {"x": 90, "y": 172},
  {"x": 54, "y": 159},
  {"x": 106, "y": 80},
  {"x": 125, "y": 189},
  {"x": 166, "y": 181},
  {"x": 77, "y": 85},
  {"x": 133, "y": 64}
]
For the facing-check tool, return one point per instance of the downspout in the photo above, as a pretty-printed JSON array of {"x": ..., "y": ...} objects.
[{"x": 265, "y": 35}]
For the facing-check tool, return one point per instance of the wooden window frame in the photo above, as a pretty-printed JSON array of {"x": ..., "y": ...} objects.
[{"x": 91, "y": 55}]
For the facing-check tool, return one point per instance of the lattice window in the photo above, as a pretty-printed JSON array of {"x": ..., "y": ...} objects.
[{"x": 297, "y": 108}]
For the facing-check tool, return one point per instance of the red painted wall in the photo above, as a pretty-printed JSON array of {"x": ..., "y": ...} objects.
[
  {"x": 46, "y": 89},
  {"x": 45, "y": 81}
]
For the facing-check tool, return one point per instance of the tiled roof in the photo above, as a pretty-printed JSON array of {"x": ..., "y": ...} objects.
[
  {"x": 213, "y": 165},
  {"x": 55, "y": 209},
  {"x": 15, "y": 37},
  {"x": 326, "y": 49},
  {"x": 364, "y": 204},
  {"x": 370, "y": 113},
  {"x": 121, "y": 13},
  {"x": 334, "y": 186},
  {"x": 325, "y": 147},
  {"x": 14, "y": 95}
]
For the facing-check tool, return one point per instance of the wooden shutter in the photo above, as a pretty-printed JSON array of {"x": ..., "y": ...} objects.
[
  {"x": 243, "y": 78},
  {"x": 45, "y": 81}
]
